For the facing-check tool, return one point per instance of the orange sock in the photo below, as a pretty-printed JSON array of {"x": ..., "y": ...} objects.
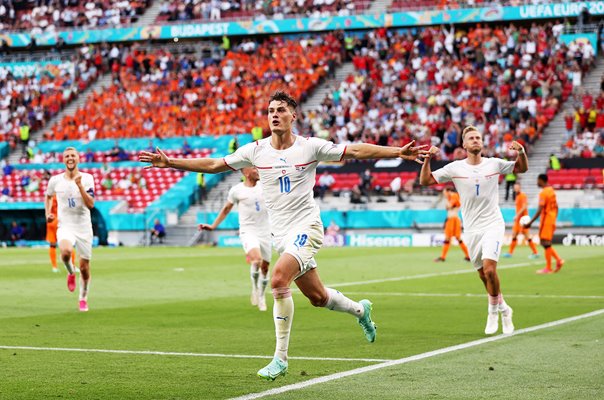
[
  {"x": 548, "y": 258},
  {"x": 532, "y": 246},
  {"x": 52, "y": 251},
  {"x": 513, "y": 245},
  {"x": 555, "y": 254},
  {"x": 445, "y": 250},
  {"x": 464, "y": 248}
]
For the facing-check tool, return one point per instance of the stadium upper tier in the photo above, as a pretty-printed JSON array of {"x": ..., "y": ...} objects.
[
  {"x": 50, "y": 15},
  {"x": 158, "y": 94},
  {"x": 176, "y": 10},
  {"x": 508, "y": 81},
  {"x": 29, "y": 102}
]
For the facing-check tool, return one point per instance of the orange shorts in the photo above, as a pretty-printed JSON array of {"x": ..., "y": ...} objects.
[
  {"x": 547, "y": 229},
  {"x": 51, "y": 231},
  {"x": 519, "y": 229},
  {"x": 453, "y": 227}
]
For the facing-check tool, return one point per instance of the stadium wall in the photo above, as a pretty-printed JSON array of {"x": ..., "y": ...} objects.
[{"x": 291, "y": 25}]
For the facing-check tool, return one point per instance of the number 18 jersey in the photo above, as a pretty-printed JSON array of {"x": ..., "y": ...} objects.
[
  {"x": 72, "y": 211},
  {"x": 288, "y": 178}
]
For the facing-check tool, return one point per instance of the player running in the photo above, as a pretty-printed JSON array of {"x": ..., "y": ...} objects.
[
  {"x": 548, "y": 211},
  {"x": 477, "y": 182},
  {"x": 75, "y": 199},
  {"x": 287, "y": 165},
  {"x": 254, "y": 230},
  {"x": 51, "y": 237},
  {"x": 521, "y": 211},
  {"x": 452, "y": 225}
]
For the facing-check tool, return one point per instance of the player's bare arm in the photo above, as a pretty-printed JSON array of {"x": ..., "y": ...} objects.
[
  {"x": 86, "y": 198},
  {"x": 522, "y": 160},
  {"x": 365, "y": 151},
  {"x": 161, "y": 160},
  {"x": 219, "y": 218},
  {"x": 425, "y": 175},
  {"x": 47, "y": 207}
]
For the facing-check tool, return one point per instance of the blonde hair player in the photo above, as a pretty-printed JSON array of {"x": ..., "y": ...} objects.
[
  {"x": 476, "y": 179},
  {"x": 75, "y": 199},
  {"x": 287, "y": 165}
]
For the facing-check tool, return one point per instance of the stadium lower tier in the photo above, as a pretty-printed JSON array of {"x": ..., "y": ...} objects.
[
  {"x": 137, "y": 186},
  {"x": 577, "y": 178}
]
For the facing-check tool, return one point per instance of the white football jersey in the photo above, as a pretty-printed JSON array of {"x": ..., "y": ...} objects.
[
  {"x": 287, "y": 177},
  {"x": 478, "y": 188},
  {"x": 71, "y": 211},
  {"x": 253, "y": 217}
]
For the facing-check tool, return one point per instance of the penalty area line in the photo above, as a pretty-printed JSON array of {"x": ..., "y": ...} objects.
[
  {"x": 178, "y": 354},
  {"x": 445, "y": 350}
]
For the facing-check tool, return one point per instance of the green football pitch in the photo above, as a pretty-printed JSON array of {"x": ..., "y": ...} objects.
[{"x": 176, "y": 323}]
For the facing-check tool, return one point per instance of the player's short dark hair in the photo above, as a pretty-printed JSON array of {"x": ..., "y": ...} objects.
[
  {"x": 282, "y": 96},
  {"x": 542, "y": 177}
]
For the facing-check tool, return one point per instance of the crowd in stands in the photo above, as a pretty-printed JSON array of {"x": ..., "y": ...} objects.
[
  {"x": 176, "y": 10},
  {"x": 46, "y": 16},
  {"x": 508, "y": 81},
  {"x": 27, "y": 103},
  {"x": 159, "y": 94},
  {"x": 585, "y": 127}
]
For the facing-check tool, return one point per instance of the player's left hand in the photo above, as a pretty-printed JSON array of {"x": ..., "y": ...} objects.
[
  {"x": 414, "y": 153},
  {"x": 159, "y": 159},
  {"x": 516, "y": 146}
]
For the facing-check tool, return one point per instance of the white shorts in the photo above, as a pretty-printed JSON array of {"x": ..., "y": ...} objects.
[
  {"x": 251, "y": 241},
  {"x": 302, "y": 243},
  {"x": 81, "y": 240},
  {"x": 485, "y": 245}
]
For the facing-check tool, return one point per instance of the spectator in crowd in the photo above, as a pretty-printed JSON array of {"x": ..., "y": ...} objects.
[
  {"x": 16, "y": 233},
  {"x": 201, "y": 188},
  {"x": 366, "y": 184},
  {"x": 158, "y": 232},
  {"x": 186, "y": 148},
  {"x": 8, "y": 169},
  {"x": 326, "y": 181},
  {"x": 5, "y": 194},
  {"x": 38, "y": 158},
  {"x": 89, "y": 156},
  {"x": 554, "y": 163}
]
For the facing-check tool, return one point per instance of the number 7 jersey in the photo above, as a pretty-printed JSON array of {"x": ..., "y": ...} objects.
[
  {"x": 478, "y": 188},
  {"x": 288, "y": 178}
]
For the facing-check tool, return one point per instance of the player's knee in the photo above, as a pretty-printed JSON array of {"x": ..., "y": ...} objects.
[
  {"x": 547, "y": 246},
  {"x": 65, "y": 255},
  {"x": 278, "y": 281},
  {"x": 447, "y": 241}
]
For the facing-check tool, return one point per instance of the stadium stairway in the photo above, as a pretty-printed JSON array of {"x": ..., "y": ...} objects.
[
  {"x": 315, "y": 100},
  {"x": 552, "y": 140},
  {"x": 186, "y": 233},
  {"x": 102, "y": 82},
  {"x": 149, "y": 16},
  {"x": 379, "y": 6}
]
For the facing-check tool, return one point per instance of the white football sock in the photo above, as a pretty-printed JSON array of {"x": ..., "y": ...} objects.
[
  {"x": 502, "y": 306},
  {"x": 493, "y": 304},
  {"x": 263, "y": 283},
  {"x": 69, "y": 266},
  {"x": 254, "y": 275},
  {"x": 338, "y": 302},
  {"x": 84, "y": 285},
  {"x": 283, "y": 314}
]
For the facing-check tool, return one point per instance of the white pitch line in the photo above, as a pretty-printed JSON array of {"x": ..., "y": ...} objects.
[
  {"x": 357, "y": 371},
  {"x": 470, "y": 270},
  {"x": 529, "y": 296},
  {"x": 169, "y": 353}
]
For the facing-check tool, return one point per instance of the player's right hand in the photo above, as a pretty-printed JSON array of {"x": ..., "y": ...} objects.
[
  {"x": 205, "y": 227},
  {"x": 50, "y": 217},
  {"x": 159, "y": 159}
]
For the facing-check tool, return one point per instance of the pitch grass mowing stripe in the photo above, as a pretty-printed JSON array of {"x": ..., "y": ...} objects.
[
  {"x": 169, "y": 353},
  {"x": 507, "y": 295},
  {"x": 430, "y": 275},
  {"x": 362, "y": 370}
]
